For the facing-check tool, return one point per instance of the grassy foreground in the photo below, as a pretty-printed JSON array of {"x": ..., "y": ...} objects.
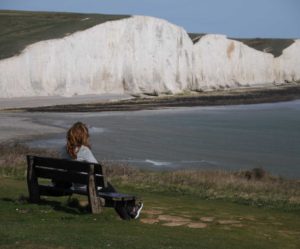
[
  {"x": 168, "y": 221},
  {"x": 183, "y": 209}
]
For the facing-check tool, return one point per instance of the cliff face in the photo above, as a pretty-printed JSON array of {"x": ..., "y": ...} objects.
[
  {"x": 140, "y": 55},
  {"x": 287, "y": 66},
  {"x": 136, "y": 55},
  {"x": 223, "y": 63}
]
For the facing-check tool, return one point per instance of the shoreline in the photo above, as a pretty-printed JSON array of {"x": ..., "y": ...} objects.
[
  {"x": 19, "y": 125},
  {"x": 40, "y": 101},
  {"x": 25, "y": 126},
  {"x": 240, "y": 96},
  {"x": 17, "y": 129}
]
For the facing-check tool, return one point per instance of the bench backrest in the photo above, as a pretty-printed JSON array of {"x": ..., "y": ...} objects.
[{"x": 65, "y": 170}]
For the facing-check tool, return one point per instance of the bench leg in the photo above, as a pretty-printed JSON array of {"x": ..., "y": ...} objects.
[
  {"x": 32, "y": 183},
  {"x": 94, "y": 200}
]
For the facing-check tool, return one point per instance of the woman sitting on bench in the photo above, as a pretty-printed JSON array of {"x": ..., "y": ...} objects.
[{"x": 78, "y": 148}]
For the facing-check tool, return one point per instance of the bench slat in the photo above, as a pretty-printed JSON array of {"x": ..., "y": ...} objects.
[
  {"x": 69, "y": 176},
  {"x": 66, "y": 164},
  {"x": 58, "y": 175}
]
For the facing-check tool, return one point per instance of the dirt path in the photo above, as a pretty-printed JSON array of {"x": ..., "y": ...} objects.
[{"x": 154, "y": 216}]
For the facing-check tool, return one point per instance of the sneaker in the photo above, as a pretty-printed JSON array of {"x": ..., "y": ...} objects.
[{"x": 137, "y": 210}]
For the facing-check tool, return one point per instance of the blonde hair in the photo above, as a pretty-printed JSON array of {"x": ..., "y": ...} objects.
[{"x": 77, "y": 135}]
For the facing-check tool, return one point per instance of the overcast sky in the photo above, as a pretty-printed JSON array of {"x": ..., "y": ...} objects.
[{"x": 234, "y": 18}]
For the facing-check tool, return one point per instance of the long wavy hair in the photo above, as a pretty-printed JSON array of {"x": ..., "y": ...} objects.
[{"x": 77, "y": 135}]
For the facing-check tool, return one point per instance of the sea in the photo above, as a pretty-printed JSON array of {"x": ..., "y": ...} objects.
[{"x": 240, "y": 137}]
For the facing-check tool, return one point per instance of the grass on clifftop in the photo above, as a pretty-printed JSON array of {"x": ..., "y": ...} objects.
[
  {"x": 19, "y": 29},
  {"x": 253, "y": 187},
  {"x": 182, "y": 210},
  {"x": 168, "y": 220}
]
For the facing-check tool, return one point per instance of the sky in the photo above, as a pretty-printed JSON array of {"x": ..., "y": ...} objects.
[{"x": 234, "y": 18}]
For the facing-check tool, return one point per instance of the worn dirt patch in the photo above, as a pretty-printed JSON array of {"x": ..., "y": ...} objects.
[
  {"x": 149, "y": 221},
  {"x": 175, "y": 223},
  {"x": 197, "y": 225},
  {"x": 157, "y": 216},
  {"x": 207, "y": 219},
  {"x": 172, "y": 218},
  {"x": 228, "y": 222}
]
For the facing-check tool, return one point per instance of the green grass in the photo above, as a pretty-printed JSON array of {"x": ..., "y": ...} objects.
[
  {"x": 19, "y": 29},
  {"x": 254, "y": 187},
  {"x": 246, "y": 210},
  {"x": 54, "y": 224}
]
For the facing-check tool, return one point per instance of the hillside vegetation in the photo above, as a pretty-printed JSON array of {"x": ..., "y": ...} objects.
[{"x": 19, "y": 29}]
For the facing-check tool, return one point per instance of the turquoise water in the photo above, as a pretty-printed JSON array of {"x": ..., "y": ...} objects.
[{"x": 225, "y": 137}]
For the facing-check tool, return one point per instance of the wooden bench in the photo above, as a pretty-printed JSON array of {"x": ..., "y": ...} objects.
[{"x": 69, "y": 172}]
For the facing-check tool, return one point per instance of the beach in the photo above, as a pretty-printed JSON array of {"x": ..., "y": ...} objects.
[
  {"x": 238, "y": 96},
  {"x": 14, "y": 127}
]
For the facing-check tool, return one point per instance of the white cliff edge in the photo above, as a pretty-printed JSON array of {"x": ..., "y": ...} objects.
[{"x": 140, "y": 55}]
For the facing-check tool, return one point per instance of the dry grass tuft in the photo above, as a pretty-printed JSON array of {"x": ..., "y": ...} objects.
[
  {"x": 13, "y": 158},
  {"x": 252, "y": 187}
]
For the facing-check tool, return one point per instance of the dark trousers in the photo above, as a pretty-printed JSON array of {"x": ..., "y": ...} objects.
[{"x": 123, "y": 209}]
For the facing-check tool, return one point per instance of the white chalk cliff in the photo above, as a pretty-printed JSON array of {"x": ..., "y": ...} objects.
[
  {"x": 223, "y": 63},
  {"x": 140, "y": 55},
  {"x": 287, "y": 66}
]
